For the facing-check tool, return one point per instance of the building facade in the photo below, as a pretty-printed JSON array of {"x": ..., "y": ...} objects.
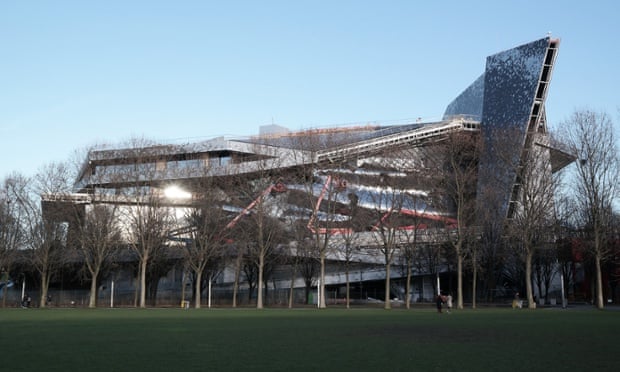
[{"x": 346, "y": 187}]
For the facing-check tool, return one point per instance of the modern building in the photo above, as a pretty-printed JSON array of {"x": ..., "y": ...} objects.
[{"x": 319, "y": 176}]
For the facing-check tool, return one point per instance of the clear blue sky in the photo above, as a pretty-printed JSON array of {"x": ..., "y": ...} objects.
[{"x": 76, "y": 73}]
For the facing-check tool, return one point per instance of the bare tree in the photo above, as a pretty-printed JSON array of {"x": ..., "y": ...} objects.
[
  {"x": 350, "y": 238},
  {"x": 268, "y": 237},
  {"x": 268, "y": 274},
  {"x": 427, "y": 260},
  {"x": 12, "y": 233},
  {"x": 492, "y": 257},
  {"x": 207, "y": 231},
  {"x": 240, "y": 253},
  {"x": 411, "y": 241},
  {"x": 590, "y": 136},
  {"x": 613, "y": 265},
  {"x": 147, "y": 230},
  {"x": 46, "y": 224},
  {"x": 456, "y": 160},
  {"x": 532, "y": 222},
  {"x": 390, "y": 196},
  {"x": 323, "y": 228},
  {"x": 293, "y": 264},
  {"x": 564, "y": 230},
  {"x": 147, "y": 216},
  {"x": 321, "y": 185},
  {"x": 298, "y": 251},
  {"x": 250, "y": 273},
  {"x": 98, "y": 242},
  {"x": 260, "y": 231},
  {"x": 308, "y": 266},
  {"x": 544, "y": 269}
]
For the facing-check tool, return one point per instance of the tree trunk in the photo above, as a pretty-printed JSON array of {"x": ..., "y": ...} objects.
[
  {"x": 388, "y": 303},
  {"x": 44, "y": 285},
  {"x": 322, "y": 304},
  {"x": 259, "y": 284},
  {"x": 236, "y": 284},
  {"x": 136, "y": 292},
  {"x": 348, "y": 294},
  {"x": 408, "y": 288},
  {"x": 143, "y": 262},
  {"x": 198, "y": 289},
  {"x": 459, "y": 278},
  {"x": 307, "y": 291},
  {"x": 474, "y": 280},
  {"x": 528, "y": 279},
  {"x": 291, "y": 292},
  {"x": 600, "y": 303},
  {"x": 92, "y": 300}
]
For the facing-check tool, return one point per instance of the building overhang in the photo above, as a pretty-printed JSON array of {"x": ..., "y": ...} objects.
[{"x": 559, "y": 158}]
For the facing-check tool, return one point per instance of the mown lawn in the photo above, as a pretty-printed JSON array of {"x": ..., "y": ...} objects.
[{"x": 308, "y": 340}]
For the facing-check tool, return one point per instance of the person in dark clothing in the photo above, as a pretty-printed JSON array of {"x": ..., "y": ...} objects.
[
  {"x": 26, "y": 301},
  {"x": 439, "y": 301}
]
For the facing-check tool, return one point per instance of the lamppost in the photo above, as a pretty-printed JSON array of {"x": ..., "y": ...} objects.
[
  {"x": 564, "y": 301},
  {"x": 23, "y": 286}
]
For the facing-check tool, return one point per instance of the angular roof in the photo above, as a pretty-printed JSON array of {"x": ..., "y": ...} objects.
[{"x": 508, "y": 98}]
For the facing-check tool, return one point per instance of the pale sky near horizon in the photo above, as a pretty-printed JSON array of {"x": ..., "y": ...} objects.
[{"x": 78, "y": 73}]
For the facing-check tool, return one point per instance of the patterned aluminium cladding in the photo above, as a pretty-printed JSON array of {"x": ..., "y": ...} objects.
[
  {"x": 510, "y": 84},
  {"x": 503, "y": 97},
  {"x": 468, "y": 103}
]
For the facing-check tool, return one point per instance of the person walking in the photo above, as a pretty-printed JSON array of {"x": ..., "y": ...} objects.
[{"x": 449, "y": 302}]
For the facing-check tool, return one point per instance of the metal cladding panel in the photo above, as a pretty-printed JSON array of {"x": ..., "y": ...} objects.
[
  {"x": 510, "y": 82},
  {"x": 468, "y": 103}
]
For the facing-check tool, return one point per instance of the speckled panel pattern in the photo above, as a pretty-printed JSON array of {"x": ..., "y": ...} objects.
[
  {"x": 468, "y": 103},
  {"x": 510, "y": 83},
  {"x": 502, "y": 99}
]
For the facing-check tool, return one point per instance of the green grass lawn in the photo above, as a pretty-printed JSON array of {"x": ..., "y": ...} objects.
[{"x": 308, "y": 339}]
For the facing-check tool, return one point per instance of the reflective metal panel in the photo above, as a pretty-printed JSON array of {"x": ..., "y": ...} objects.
[
  {"x": 510, "y": 83},
  {"x": 468, "y": 103}
]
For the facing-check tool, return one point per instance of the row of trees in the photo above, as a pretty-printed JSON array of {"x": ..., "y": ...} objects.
[{"x": 137, "y": 217}]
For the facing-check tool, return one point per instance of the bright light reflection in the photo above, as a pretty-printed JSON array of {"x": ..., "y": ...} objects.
[{"x": 174, "y": 192}]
